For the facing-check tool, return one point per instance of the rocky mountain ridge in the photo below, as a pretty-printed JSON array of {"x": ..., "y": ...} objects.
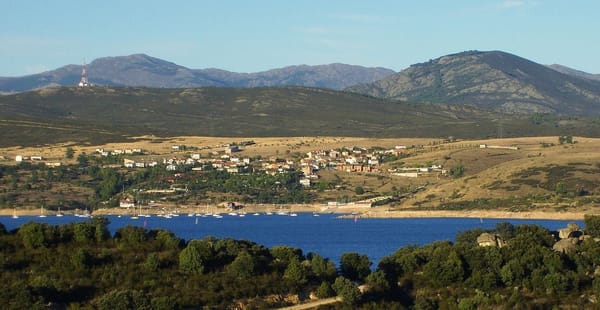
[{"x": 494, "y": 79}]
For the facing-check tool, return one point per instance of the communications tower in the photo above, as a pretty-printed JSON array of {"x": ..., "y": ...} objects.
[{"x": 84, "y": 80}]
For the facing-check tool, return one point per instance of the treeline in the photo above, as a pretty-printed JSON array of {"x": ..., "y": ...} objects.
[
  {"x": 80, "y": 265},
  {"x": 93, "y": 185}
]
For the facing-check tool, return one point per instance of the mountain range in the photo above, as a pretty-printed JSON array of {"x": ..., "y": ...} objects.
[
  {"x": 146, "y": 71},
  {"x": 469, "y": 94},
  {"x": 494, "y": 79}
]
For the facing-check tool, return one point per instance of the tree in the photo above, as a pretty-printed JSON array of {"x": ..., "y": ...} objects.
[
  {"x": 295, "y": 273},
  {"x": 377, "y": 281},
  {"x": 152, "y": 263},
  {"x": 324, "y": 290},
  {"x": 100, "y": 225},
  {"x": 592, "y": 225},
  {"x": 457, "y": 171},
  {"x": 565, "y": 139},
  {"x": 322, "y": 268},
  {"x": 32, "y": 235},
  {"x": 355, "y": 267},
  {"x": 69, "y": 152},
  {"x": 82, "y": 160},
  {"x": 168, "y": 240},
  {"x": 561, "y": 188},
  {"x": 347, "y": 290},
  {"x": 131, "y": 234},
  {"x": 80, "y": 259},
  {"x": 83, "y": 232},
  {"x": 286, "y": 254},
  {"x": 359, "y": 190},
  {"x": 243, "y": 266},
  {"x": 123, "y": 299},
  {"x": 190, "y": 260}
]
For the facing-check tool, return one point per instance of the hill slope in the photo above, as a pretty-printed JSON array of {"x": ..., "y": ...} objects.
[
  {"x": 146, "y": 71},
  {"x": 574, "y": 72},
  {"x": 490, "y": 79},
  {"x": 98, "y": 114}
]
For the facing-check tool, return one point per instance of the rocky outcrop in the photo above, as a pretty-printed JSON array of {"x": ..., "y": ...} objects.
[{"x": 487, "y": 239}]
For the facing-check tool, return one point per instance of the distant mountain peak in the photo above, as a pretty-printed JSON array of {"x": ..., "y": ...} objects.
[
  {"x": 493, "y": 79},
  {"x": 147, "y": 71}
]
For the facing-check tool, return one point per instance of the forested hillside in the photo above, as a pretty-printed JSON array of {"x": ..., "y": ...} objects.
[{"x": 82, "y": 265}]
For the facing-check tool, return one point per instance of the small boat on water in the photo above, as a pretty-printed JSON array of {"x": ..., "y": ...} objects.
[
  {"x": 15, "y": 216},
  {"x": 42, "y": 212}
]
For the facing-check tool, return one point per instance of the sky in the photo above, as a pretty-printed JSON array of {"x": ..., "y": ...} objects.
[{"x": 258, "y": 35}]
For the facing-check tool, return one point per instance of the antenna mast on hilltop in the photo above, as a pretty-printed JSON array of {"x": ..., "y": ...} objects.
[{"x": 84, "y": 80}]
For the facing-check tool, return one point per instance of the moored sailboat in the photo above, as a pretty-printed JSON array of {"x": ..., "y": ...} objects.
[{"x": 42, "y": 212}]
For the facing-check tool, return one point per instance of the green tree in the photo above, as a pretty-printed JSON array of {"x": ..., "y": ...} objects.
[
  {"x": 295, "y": 273},
  {"x": 243, "y": 266},
  {"x": 322, "y": 268},
  {"x": 32, "y": 234},
  {"x": 355, "y": 267},
  {"x": 565, "y": 139},
  {"x": 592, "y": 225},
  {"x": 168, "y": 240},
  {"x": 561, "y": 188},
  {"x": 457, "y": 171},
  {"x": 83, "y": 232},
  {"x": 100, "y": 225},
  {"x": 80, "y": 259},
  {"x": 444, "y": 268},
  {"x": 69, "y": 152},
  {"x": 347, "y": 290},
  {"x": 119, "y": 299},
  {"x": 377, "y": 281},
  {"x": 359, "y": 190},
  {"x": 82, "y": 160},
  {"x": 152, "y": 263},
  {"x": 190, "y": 260},
  {"x": 131, "y": 234},
  {"x": 286, "y": 254},
  {"x": 324, "y": 290}
]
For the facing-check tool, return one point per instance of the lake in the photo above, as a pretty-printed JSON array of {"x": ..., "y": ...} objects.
[{"x": 326, "y": 234}]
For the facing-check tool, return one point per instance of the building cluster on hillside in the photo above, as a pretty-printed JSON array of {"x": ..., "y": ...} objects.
[
  {"x": 104, "y": 152},
  {"x": 37, "y": 158},
  {"x": 415, "y": 172},
  {"x": 345, "y": 159}
]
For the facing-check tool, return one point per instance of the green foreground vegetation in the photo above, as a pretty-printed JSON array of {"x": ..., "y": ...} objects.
[{"x": 80, "y": 266}]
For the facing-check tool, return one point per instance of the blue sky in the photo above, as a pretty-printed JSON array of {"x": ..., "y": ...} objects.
[{"x": 250, "y": 36}]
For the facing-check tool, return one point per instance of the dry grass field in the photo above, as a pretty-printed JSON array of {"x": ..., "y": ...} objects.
[{"x": 524, "y": 180}]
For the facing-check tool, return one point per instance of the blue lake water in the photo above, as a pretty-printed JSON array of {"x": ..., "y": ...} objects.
[{"x": 326, "y": 234}]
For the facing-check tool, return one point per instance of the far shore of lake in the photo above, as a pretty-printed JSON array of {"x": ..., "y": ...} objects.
[{"x": 349, "y": 212}]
